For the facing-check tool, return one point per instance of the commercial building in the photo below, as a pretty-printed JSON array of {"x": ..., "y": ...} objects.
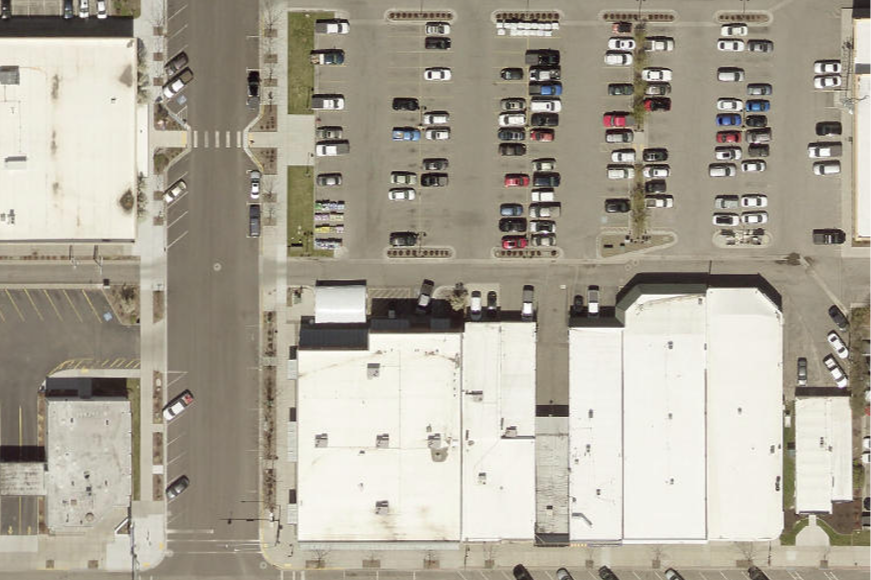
[
  {"x": 861, "y": 89},
  {"x": 418, "y": 435},
  {"x": 68, "y": 139},
  {"x": 823, "y": 453},
  {"x": 671, "y": 401}
]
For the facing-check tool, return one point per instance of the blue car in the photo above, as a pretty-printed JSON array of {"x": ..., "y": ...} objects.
[
  {"x": 728, "y": 120},
  {"x": 758, "y": 105},
  {"x": 551, "y": 89},
  {"x": 406, "y": 134}
]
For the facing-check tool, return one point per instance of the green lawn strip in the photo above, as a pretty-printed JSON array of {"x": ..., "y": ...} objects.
[
  {"x": 789, "y": 462},
  {"x": 857, "y": 538},
  {"x": 300, "y": 72},
  {"x": 300, "y": 209},
  {"x": 787, "y": 538},
  {"x": 133, "y": 397}
]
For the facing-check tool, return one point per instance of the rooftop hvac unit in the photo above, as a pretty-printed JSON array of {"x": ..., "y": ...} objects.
[
  {"x": 321, "y": 440},
  {"x": 382, "y": 507},
  {"x": 477, "y": 396},
  {"x": 510, "y": 433},
  {"x": 435, "y": 440},
  {"x": 382, "y": 441},
  {"x": 373, "y": 370}
]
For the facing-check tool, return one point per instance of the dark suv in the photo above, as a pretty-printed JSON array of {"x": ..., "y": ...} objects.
[
  {"x": 253, "y": 89},
  {"x": 434, "y": 179},
  {"x": 403, "y": 239},
  {"x": 652, "y": 155},
  {"x": 511, "y": 134},
  {"x": 512, "y": 149},
  {"x": 828, "y": 128},
  {"x": 545, "y": 180},
  {"x": 655, "y": 186},
  {"x": 605, "y": 573},
  {"x": 509, "y": 225},
  {"x": 437, "y": 43},
  {"x": 405, "y": 104},
  {"x": 435, "y": 164},
  {"x": 544, "y": 120}
]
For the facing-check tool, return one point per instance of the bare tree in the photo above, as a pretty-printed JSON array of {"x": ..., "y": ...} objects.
[{"x": 747, "y": 549}]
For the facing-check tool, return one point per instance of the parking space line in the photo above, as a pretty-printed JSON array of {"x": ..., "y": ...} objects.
[
  {"x": 32, "y": 303},
  {"x": 2, "y": 316},
  {"x": 177, "y": 239},
  {"x": 238, "y": 138},
  {"x": 91, "y": 304},
  {"x": 177, "y": 12},
  {"x": 177, "y": 32},
  {"x": 173, "y": 222},
  {"x": 217, "y": 138},
  {"x": 53, "y": 305},
  {"x": 227, "y": 140},
  {"x": 12, "y": 300},
  {"x": 73, "y": 306}
]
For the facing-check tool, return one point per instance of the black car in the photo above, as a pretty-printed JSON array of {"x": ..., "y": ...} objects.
[
  {"x": 403, "y": 239},
  {"x": 254, "y": 220},
  {"x": 655, "y": 186},
  {"x": 658, "y": 104},
  {"x": 654, "y": 155},
  {"x": 511, "y": 134},
  {"x": 253, "y": 89},
  {"x": 512, "y": 149},
  {"x": 405, "y": 104},
  {"x": 434, "y": 179},
  {"x": 543, "y": 57},
  {"x": 544, "y": 120},
  {"x": 620, "y": 89},
  {"x": 6, "y": 9},
  {"x": 435, "y": 164},
  {"x": 826, "y": 237},
  {"x": 758, "y": 151},
  {"x": 866, "y": 503},
  {"x": 545, "y": 180},
  {"x": 756, "y": 121},
  {"x": 617, "y": 206},
  {"x": 176, "y": 488},
  {"x": 521, "y": 573},
  {"x": 838, "y": 318},
  {"x": 828, "y": 128},
  {"x": 492, "y": 303},
  {"x": 509, "y": 225},
  {"x": 511, "y": 74},
  {"x": 605, "y": 573},
  {"x": 68, "y": 9},
  {"x": 437, "y": 43},
  {"x": 756, "y": 574}
]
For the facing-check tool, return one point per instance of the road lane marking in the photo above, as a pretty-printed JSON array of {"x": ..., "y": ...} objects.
[
  {"x": 91, "y": 304},
  {"x": 206, "y": 139},
  {"x": 196, "y": 135},
  {"x": 239, "y": 139},
  {"x": 177, "y": 12},
  {"x": 217, "y": 139},
  {"x": 177, "y": 239},
  {"x": 228, "y": 139},
  {"x": 73, "y": 306},
  {"x": 173, "y": 222},
  {"x": 32, "y": 303},
  {"x": 53, "y": 305},
  {"x": 2, "y": 317},
  {"x": 132, "y": 363},
  {"x": 177, "y": 32},
  {"x": 18, "y": 310}
]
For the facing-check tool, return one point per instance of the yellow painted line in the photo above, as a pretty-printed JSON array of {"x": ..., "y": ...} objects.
[
  {"x": 32, "y": 303},
  {"x": 53, "y": 305},
  {"x": 118, "y": 362},
  {"x": 2, "y": 317},
  {"x": 91, "y": 304},
  {"x": 73, "y": 306},
  {"x": 12, "y": 300},
  {"x": 133, "y": 363}
]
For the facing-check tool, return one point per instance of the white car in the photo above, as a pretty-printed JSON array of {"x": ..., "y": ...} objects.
[
  {"x": 618, "y": 58},
  {"x": 527, "y": 311},
  {"x": 836, "y": 371},
  {"x": 736, "y": 29},
  {"x": 177, "y": 84},
  {"x": 730, "y": 75},
  {"x": 727, "y": 45},
  {"x": 655, "y": 201},
  {"x": 754, "y": 218},
  {"x": 438, "y": 73},
  {"x": 102, "y": 12},
  {"x": 512, "y": 120},
  {"x": 545, "y": 106},
  {"x": 174, "y": 192},
  {"x": 545, "y": 164},
  {"x": 441, "y": 134},
  {"x": 827, "y": 67},
  {"x": 621, "y": 173},
  {"x": 827, "y": 82},
  {"x": 656, "y": 171},
  {"x": 827, "y": 167},
  {"x": 437, "y": 28},
  {"x": 726, "y": 219},
  {"x": 659, "y": 43},
  {"x": 84, "y": 10},
  {"x": 823, "y": 150},
  {"x": 837, "y": 345},
  {"x": 722, "y": 170},
  {"x": 727, "y": 153},
  {"x": 254, "y": 179},
  {"x": 401, "y": 194},
  {"x": 177, "y": 406},
  {"x": 436, "y": 118},
  {"x": 403, "y": 177},
  {"x": 621, "y": 43},
  {"x": 623, "y": 156},
  {"x": 656, "y": 74},
  {"x": 730, "y": 105},
  {"x": 754, "y": 200},
  {"x": 753, "y": 165}
]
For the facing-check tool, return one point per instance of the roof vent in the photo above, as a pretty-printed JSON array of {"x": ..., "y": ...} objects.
[
  {"x": 382, "y": 507},
  {"x": 482, "y": 478},
  {"x": 590, "y": 414},
  {"x": 321, "y": 440},
  {"x": 9, "y": 75},
  {"x": 382, "y": 441},
  {"x": 434, "y": 441},
  {"x": 373, "y": 370},
  {"x": 510, "y": 433},
  {"x": 477, "y": 396}
]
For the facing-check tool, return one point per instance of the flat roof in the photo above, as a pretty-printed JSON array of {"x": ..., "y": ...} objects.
[
  {"x": 744, "y": 406},
  {"x": 823, "y": 453},
  {"x": 596, "y": 434},
  {"x": 498, "y": 431},
  {"x": 340, "y": 303},
  {"x": 67, "y": 139},
  {"x": 862, "y": 127},
  {"x": 88, "y": 446}
]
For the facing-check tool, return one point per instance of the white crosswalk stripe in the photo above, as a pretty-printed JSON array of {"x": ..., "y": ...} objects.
[{"x": 228, "y": 139}]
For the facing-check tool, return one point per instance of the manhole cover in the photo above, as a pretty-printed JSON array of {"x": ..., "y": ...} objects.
[{"x": 217, "y": 267}]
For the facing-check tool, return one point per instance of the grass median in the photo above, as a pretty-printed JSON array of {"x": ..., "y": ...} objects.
[
  {"x": 300, "y": 72},
  {"x": 135, "y": 409}
]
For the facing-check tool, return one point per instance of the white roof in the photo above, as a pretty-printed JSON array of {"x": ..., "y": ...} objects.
[
  {"x": 67, "y": 139},
  {"x": 665, "y": 432},
  {"x": 596, "y": 434},
  {"x": 340, "y": 303},
  {"x": 664, "y": 419},
  {"x": 498, "y": 431},
  {"x": 744, "y": 434},
  {"x": 823, "y": 453}
]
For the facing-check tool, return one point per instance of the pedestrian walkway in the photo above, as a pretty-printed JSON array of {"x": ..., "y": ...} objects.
[{"x": 216, "y": 139}]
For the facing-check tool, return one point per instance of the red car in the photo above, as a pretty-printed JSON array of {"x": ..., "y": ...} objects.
[
  {"x": 729, "y": 137},
  {"x": 614, "y": 120},
  {"x": 516, "y": 180},
  {"x": 514, "y": 242},
  {"x": 542, "y": 134}
]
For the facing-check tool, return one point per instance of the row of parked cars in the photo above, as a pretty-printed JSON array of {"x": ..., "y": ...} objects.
[
  {"x": 827, "y": 74},
  {"x": 830, "y": 361}
]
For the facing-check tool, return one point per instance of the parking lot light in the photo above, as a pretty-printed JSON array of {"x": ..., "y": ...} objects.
[{"x": 640, "y": 4}]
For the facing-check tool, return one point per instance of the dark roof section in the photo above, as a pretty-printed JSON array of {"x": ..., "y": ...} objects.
[
  {"x": 86, "y": 387},
  {"x": 340, "y": 283},
  {"x": 332, "y": 336},
  {"x": 56, "y": 27},
  {"x": 821, "y": 392}
]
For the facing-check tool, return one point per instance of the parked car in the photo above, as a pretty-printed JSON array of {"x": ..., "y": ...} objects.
[
  {"x": 615, "y": 58},
  {"x": 617, "y": 206},
  {"x": 102, "y": 10},
  {"x": 838, "y": 345},
  {"x": 434, "y": 180},
  {"x": 657, "y": 104},
  {"x": 435, "y": 164},
  {"x": 623, "y": 156},
  {"x": 836, "y": 371},
  {"x": 521, "y": 573},
  {"x": 514, "y": 242},
  {"x": 476, "y": 312},
  {"x": 659, "y": 43},
  {"x": 175, "y": 85},
  {"x": 516, "y": 180},
  {"x": 437, "y": 73},
  {"x": 513, "y": 104},
  {"x": 547, "y": 56},
  {"x": 722, "y": 170},
  {"x": 754, "y": 200},
  {"x": 177, "y": 487},
  {"x": 512, "y": 149},
  {"x": 756, "y": 121},
  {"x": 563, "y": 574},
  {"x": 405, "y": 104},
  {"x": 621, "y": 43},
  {"x": 403, "y": 239},
  {"x": 437, "y": 43},
  {"x": 756, "y": 136},
  {"x": 758, "y": 150},
  {"x": 734, "y": 29},
  {"x": 655, "y": 186},
  {"x": 759, "y": 89},
  {"x": 178, "y": 405},
  {"x": 527, "y": 310},
  {"x": 542, "y": 226},
  {"x": 512, "y": 225},
  {"x": 544, "y": 73},
  {"x": 329, "y": 56},
  {"x": 329, "y": 133},
  {"x": 728, "y": 119},
  {"x": 656, "y": 171},
  {"x": 512, "y": 120},
  {"x": 401, "y": 194},
  {"x": 760, "y": 46},
  {"x": 436, "y": 118},
  {"x": 827, "y": 82},
  {"x": 730, "y": 45},
  {"x": 254, "y": 183},
  {"x": 753, "y": 166},
  {"x": 511, "y": 134},
  {"x": 174, "y": 192},
  {"x": 801, "y": 372},
  {"x": 546, "y": 180},
  {"x": 727, "y": 153},
  {"x": 593, "y": 312},
  {"x": 405, "y": 134},
  {"x": 730, "y": 74},
  {"x": 5, "y": 9},
  {"x": 328, "y": 102},
  {"x": 758, "y": 105},
  {"x": 511, "y": 210},
  {"x": 754, "y": 218},
  {"x": 726, "y": 219},
  {"x": 176, "y": 64},
  {"x": 332, "y": 26},
  {"x": 619, "y": 136},
  {"x": 544, "y": 164},
  {"x": 825, "y": 237},
  {"x": 756, "y": 574},
  {"x": 658, "y": 201},
  {"x": 329, "y": 179},
  {"x": 539, "y": 105},
  {"x": 658, "y": 89},
  {"x": 726, "y": 202},
  {"x": 544, "y": 120},
  {"x": 827, "y": 167},
  {"x": 511, "y": 74},
  {"x": 824, "y": 150},
  {"x": 437, "y": 28},
  {"x": 826, "y": 67},
  {"x": 654, "y": 155},
  {"x": 838, "y": 318},
  {"x": 672, "y": 574},
  {"x": 729, "y": 137},
  {"x": 542, "y": 134},
  {"x": 655, "y": 74},
  {"x": 254, "y": 220},
  {"x": 828, "y": 128},
  {"x": 621, "y": 172},
  {"x": 424, "y": 297},
  {"x": 439, "y": 134},
  {"x": 403, "y": 177},
  {"x": 620, "y": 89},
  {"x": 546, "y": 89},
  {"x": 618, "y": 119}
]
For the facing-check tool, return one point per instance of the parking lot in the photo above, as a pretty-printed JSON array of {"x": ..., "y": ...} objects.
[{"x": 384, "y": 60}]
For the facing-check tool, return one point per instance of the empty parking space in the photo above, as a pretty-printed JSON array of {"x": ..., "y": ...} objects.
[{"x": 51, "y": 306}]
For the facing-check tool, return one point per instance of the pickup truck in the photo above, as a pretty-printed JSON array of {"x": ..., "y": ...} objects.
[
  {"x": 329, "y": 56},
  {"x": 829, "y": 237},
  {"x": 544, "y": 73},
  {"x": 544, "y": 210},
  {"x": 335, "y": 26},
  {"x": 823, "y": 150},
  {"x": 542, "y": 195},
  {"x": 328, "y": 102},
  {"x": 543, "y": 57},
  {"x": 658, "y": 43},
  {"x": 332, "y": 148},
  {"x": 546, "y": 89}
]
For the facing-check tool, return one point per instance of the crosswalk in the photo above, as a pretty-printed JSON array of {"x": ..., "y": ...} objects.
[{"x": 217, "y": 139}]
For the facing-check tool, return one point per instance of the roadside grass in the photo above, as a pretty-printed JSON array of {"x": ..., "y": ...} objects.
[
  {"x": 787, "y": 538},
  {"x": 857, "y": 538},
  {"x": 300, "y": 72},
  {"x": 133, "y": 397},
  {"x": 127, "y": 8},
  {"x": 300, "y": 213},
  {"x": 789, "y": 462},
  {"x": 859, "y": 318}
]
